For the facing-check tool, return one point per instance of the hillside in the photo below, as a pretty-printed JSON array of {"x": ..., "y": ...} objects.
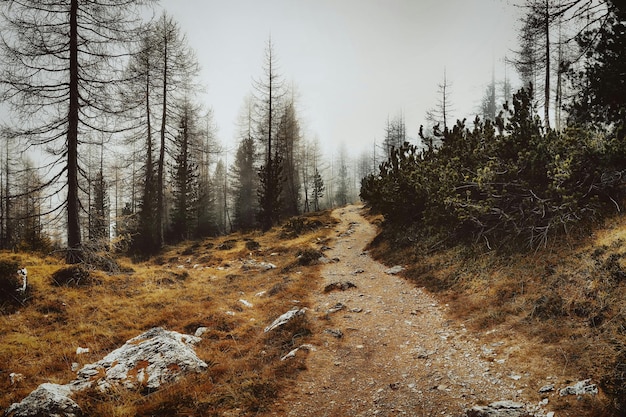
[
  {"x": 486, "y": 328},
  {"x": 564, "y": 304},
  {"x": 197, "y": 284}
]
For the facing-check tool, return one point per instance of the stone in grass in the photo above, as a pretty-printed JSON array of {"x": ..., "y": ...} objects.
[
  {"x": 146, "y": 362},
  {"x": 339, "y": 286},
  {"x": 498, "y": 409},
  {"x": 546, "y": 388},
  {"x": 394, "y": 270},
  {"x": 285, "y": 318},
  {"x": 580, "y": 388},
  {"x": 46, "y": 400}
]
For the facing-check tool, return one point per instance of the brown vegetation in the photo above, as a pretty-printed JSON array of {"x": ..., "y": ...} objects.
[{"x": 188, "y": 286}]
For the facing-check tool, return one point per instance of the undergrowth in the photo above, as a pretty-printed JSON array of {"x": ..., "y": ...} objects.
[{"x": 194, "y": 284}]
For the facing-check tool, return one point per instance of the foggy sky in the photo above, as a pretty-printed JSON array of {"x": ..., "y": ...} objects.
[{"x": 353, "y": 63}]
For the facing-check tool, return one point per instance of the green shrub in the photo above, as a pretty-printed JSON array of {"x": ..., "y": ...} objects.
[{"x": 506, "y": 183}]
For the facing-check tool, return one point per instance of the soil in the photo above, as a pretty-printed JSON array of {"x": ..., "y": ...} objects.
[{"x": 387, "y": 348}]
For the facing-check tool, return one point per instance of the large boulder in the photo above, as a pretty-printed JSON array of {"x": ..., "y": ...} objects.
[{"x": 146, "y": 361}]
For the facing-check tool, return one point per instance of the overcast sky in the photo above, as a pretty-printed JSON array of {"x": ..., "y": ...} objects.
[{"x": 353, "y": 62}]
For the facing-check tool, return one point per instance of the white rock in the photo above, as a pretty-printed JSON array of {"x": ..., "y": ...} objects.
[
  {"x": 46, "y": 400},
  {"x": 200, "y": 331},
  {"x": 146, "y": 361},
  {"x": 245, "y": 303},
  {"x": 15, "y": 378},
  {"x": 81, "y": 350},
  {"x": 394, "y": 270},
  {"x": 580, "y": 388},
  {"x": 292, "y": 353},
  {"x": 285, "y": 318}
]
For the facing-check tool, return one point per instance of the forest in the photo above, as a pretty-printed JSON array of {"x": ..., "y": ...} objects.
[
  {"x": 510, "y": 217},
  {"x": 123, "y": 156}
]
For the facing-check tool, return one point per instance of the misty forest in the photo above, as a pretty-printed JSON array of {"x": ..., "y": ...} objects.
[{"x": 109, "y": 148}]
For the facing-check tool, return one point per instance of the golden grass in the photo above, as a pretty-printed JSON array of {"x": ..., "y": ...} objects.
[
  {"x": 565, "y": 305},
  {"x": 191, "y": 285}
]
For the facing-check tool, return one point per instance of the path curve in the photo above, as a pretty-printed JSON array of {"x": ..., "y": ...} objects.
[{"x": 398, "y": 355}]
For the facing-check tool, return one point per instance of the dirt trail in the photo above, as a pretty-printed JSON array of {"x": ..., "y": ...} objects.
[{"x": 398, "y": 355}]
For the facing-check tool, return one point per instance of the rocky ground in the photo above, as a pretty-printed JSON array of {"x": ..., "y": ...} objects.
[{"x": 388, "y": 349}]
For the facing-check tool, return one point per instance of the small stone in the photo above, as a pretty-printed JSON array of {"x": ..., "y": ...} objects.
[
  {"x": 15, "y": 378},
  {"x": 246, "y": 303},
  {"x": 285, "y": 318},
  {"x": 334, "y": 332},
  {"x": 394, "y": 270},
  {"x": 580, "y": 388},
  {"x": 546, "y": 388},
  {"x": 200, "y": 331},
  {"x": 337, "y": 307},
  {"x": 339, "y": 286},
  {"x": 81, "y": 350}
]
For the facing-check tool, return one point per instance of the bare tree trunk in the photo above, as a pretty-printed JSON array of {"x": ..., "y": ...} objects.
[
  {"x": 546, "y": 105},
  {"x": 160, "y": 173},
  {"x": 73, "y": 224}
]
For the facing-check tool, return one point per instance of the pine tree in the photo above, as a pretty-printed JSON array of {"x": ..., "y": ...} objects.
[
  {"x": 318, "y": 190},
  {"x": 184, "y": 173}
]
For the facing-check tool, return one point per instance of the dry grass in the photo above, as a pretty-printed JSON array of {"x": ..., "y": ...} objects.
[
  {"x": 194, "y": 284},
  {"x": 565, "y": 305}
]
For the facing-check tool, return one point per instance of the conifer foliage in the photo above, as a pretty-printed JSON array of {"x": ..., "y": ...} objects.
[{"x": 501, "y": 184}]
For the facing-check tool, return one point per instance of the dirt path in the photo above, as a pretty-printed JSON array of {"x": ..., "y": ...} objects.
[{"x": 398, "y": 355}]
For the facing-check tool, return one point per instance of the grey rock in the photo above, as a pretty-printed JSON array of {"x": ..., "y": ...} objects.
[
  {"x": 498, "y": 409},
  {"x": 46, "y": 400},
  {"x": 337, "y": 307},
  {"x": 147, "y": 361},
  {"x": 285, "y": 318},
  {"x": 394, "y": 270},
  {"x": 200, "y": 331},
  {"x": 580, "y": 388},
  {"x": 334, "y": 332},
  {"x": 546, "y": 388},
  {"x": 339, "y": 286}
]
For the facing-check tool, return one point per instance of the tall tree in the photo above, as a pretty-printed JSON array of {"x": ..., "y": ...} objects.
[
  {"x": 601, "y": 98},
  {"x": 220, "y": 185},
  {"x": 536, "y": 37},
  {"x": 140, "y": 93},
  {"x": 288, "y": 143},
  {"x": 343, "y": 188},
  {"x": 178, "y": 68},
  {"x": 60, "y": 63},
  {"x": 244, "y": 174},
  {"x": 395, "y": 134},
  {"x": 269, "y": 93},
  {"x": 317, "y": 191},
  {"x": 442, "y": 113},
  {"x": 185, "y": 177}
]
